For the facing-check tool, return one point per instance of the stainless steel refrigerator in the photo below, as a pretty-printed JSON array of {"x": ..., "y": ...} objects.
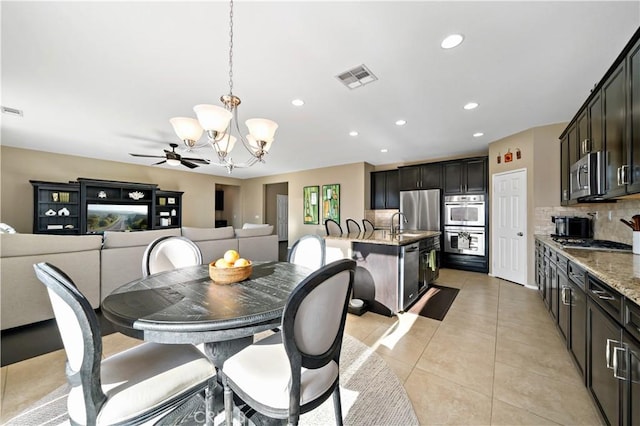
[{"x": 421, "y": 208}]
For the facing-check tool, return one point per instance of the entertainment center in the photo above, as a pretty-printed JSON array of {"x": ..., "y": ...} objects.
[{"x": 92, "y": 206}]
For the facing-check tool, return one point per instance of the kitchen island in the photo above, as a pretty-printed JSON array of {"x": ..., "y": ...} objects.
[{"x": 393, "y": 269}]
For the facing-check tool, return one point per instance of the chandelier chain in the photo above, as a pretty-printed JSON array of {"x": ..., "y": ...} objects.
[{"x": 231, "y": 48}]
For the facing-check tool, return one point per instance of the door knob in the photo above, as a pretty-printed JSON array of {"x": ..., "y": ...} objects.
[{"x": 519, "y": 234}]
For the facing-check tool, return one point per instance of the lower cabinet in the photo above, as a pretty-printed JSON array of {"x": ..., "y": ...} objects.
[
  {"x": 564, "y": 299},
  {"x": 575, "y": 295},
  {"x": 631, "y": 381}
]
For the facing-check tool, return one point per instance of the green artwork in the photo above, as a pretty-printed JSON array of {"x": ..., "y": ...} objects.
[
  {"x": 310, "y": 197},
  {"x": 331, "y": 202}
]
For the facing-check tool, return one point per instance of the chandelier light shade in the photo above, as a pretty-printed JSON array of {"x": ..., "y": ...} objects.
[{"x": 219, "y": 121}]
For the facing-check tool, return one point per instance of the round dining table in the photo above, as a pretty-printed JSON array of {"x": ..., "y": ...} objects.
[{"x": 185, "y": 306}]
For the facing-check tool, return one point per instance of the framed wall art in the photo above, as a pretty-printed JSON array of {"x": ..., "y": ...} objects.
[
  {"x": 331, "y": 202},
  {"x": 311, "y": 204}
]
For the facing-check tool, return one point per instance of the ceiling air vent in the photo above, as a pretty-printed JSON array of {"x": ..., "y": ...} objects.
[
  {"x": 12, "y": 111},
  {"x": 357, "y": 77}
]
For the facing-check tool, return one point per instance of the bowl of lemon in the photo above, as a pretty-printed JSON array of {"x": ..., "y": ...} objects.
[{"x": 229, "y": 269}]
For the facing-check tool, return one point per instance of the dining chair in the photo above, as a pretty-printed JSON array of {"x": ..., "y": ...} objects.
[
  {"x": 309, "y": 251},
  {"x": 332, "y": 227},
  {"x": 170, "y": 252},
  {"x": 303, "y": 358},
  {"x": 352, "y": 226},
  {"x": 132, "y": 387},
  {"x": 368, "y": 226}
]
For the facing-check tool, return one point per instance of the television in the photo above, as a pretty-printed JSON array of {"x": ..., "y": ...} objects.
[{"x": 117, "y": 217}]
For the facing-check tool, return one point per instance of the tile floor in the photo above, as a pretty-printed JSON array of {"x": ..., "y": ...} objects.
[{"x": 496, "y": 359}]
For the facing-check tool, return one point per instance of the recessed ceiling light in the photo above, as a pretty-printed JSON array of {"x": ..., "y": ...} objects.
[
  {"x": 297, "y": 102},
  {"x": 401, "y": 122},
  {"x": 384, "y": 150},
  {"x": 477, "y": 135},
  {"x": 353, "y": 133},
  {"x": 471, "y": 105},
  {"x": 452, "y": 41}
]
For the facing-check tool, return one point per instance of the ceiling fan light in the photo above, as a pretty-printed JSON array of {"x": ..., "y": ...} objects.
[
  {"x": 173, "y": 162},
  {"x": 213, "y": 117},
  {"x": 262, "y": 129},
  {"x": 186, "y": 128}
]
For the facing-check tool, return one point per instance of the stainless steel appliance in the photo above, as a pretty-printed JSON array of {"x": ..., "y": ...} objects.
[
  {"x": 429, "y": 261},
  {"x": 586, "y": 177},
  {"x": 421, "y": 209},
  {"x": 464, "y": 240},
  {"x": 574, "y": 227},
  {"x": 464, "y": 210},
  {"x": 591, "y": 244},
  {"x": 410, "y": 284}
]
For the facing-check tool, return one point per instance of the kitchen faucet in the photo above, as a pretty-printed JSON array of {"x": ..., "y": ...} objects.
[{"x": 394, "y": 229}]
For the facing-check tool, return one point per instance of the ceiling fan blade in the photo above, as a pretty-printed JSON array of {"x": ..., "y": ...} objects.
[
  {"x": 188, "y": 164},
  {"x": 148, "y": 156},
  {"x": 159, "y": 162},
  {"x": 197, "y": 160}
]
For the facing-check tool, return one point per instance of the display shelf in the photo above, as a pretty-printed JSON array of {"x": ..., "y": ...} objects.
[
  {"x": 56, "y": 207},
  {"x": 167, "y": 209}
]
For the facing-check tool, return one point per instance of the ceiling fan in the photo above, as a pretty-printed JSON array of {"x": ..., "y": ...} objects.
[{"x": 172, "y": 158}]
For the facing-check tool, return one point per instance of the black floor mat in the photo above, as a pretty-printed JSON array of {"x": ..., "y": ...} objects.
[{"x": 435, "y": 303}]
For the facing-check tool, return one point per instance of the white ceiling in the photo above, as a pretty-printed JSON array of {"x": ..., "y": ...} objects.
[{"x": 102, "y": 79}]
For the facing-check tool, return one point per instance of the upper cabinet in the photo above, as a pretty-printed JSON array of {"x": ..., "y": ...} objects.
[
  {"x": 633, "y": 117},
  {"x": 384, "y": 190},
  {"x": 564, "y": 170},
  {"x": 467, "y": 176},
  {"x": 613, "y": 98},
  {"x": 424, "y": 176}
]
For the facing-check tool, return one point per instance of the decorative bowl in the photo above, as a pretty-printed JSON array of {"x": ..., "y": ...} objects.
[{"x": 224, "y": 276}]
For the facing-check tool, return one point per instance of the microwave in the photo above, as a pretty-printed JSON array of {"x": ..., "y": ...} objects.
[
  {"x": 586, "y": 178},
  {"x": 573, "y": 227}
]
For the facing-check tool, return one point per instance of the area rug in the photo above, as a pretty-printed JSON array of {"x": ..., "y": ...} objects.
[
  {"x": 435, "y": 303},
  {"x": 371, "y": 395}
]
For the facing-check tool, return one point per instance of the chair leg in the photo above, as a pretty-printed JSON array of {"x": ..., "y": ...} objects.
[
  {"x": 228, "y": 402},
  {"x": 208, "y": 402},
  {"x": 337, "y": 406}
]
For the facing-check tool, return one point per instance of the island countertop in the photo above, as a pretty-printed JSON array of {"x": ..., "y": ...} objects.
[
  {"x": 385, "y": 237},
  {"x": 620, "y": 270}
]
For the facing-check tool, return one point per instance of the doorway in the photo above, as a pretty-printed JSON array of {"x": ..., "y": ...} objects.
[
  {"x": 509, "y": 226},
  {"x": 276, "y": 205}
]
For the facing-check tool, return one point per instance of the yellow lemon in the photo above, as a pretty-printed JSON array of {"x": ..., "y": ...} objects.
[
  {"x": 221, "y": 263},
  {"x": 231, "y": 256},
  {"x": 241, "y": 262}
]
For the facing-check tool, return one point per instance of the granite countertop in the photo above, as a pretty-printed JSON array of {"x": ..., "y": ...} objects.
[
  {"x": 620, "y": 270},
  {"x": 385, "y": 237}
]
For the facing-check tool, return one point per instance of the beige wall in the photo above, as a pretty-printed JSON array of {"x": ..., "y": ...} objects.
[
  {"x": 351, "y": 177},
  {"x": 540, "y": 157},
  {"x": 18, "y": 166},
  {"x": 271, "y": 202}
]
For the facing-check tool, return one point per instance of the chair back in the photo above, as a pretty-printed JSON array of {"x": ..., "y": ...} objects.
[
  {"x": 367, "y": 225},
  {"x": 314, "y": 317},
  {"x": 332, "y": 227},
  {"x": 309, "y": 251},
  {"x": 81, "y": 337},
  {"x": 352, "y": 226},
  {"x": 170, "y": 252}
]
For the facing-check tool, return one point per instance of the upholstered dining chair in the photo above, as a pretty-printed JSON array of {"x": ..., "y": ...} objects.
[
  {"x": 352, "y": 226},
  {"x": 309, "y": 251},
  {"x": 332, "y": 227},
  {"x": 368, "y": 226},
  {"x": 131, "y": 387},
  {"x": 170, "y": 252},
  {"x": 303, "y": 359}
]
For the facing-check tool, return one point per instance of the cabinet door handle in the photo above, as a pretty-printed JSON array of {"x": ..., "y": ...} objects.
[
  {"x": 603, "y": 295},
  {"x": 624, "y": 174},
  {"x": 564, "y": 296},
  {"x": 608, "y": 352},
  {"x": 616, "y": 364},
  {"x": 619, "y": 176}
]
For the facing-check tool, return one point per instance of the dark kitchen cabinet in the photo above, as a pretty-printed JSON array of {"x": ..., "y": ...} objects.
[
  {"x": 577, "y": 299},
  {"x": 582, "y": 133},
  {"x": 631, "y": 381},
  {"x": 56, "y": 208},
  {"x": 466, "y": 176},
  {"x": 614, "y": 111},
  {"x": 385, "y": 193},
  {"x": 632, "y": 177},
  {"x": 424, "y": 176},
  {"x": 574, "y": 148},
  {"x": 595, "y": 136},
  {"x": 564, "y": 171},
  {"x": 564, "y": 299}
]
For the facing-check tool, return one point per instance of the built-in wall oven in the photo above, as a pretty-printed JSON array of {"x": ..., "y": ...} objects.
[
  {"x": 464, "y": 240},
  {"x": 464, "y": 210}
]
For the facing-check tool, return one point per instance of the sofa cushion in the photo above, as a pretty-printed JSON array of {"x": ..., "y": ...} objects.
[
  {"x": 12, "y": 245},
  {"x": 259, "y": 248},
  {"x": 254, "y": 225},
  {"x": 204, "y": 234},
  {"x": 254, "y": 232},
  {"x": 115, "y": 239}
]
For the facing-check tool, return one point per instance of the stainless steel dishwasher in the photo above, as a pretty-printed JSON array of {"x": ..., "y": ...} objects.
[{"x": 409, "y": 274}]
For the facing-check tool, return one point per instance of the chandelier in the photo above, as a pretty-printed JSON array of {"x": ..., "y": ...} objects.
[{"x": 219, "y": 121}]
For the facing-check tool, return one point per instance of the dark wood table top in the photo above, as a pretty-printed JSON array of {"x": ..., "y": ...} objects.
[{"x": 185, "y": 306}]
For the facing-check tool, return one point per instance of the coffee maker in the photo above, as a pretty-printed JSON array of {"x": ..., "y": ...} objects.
[{"x": 573, "y": 227}]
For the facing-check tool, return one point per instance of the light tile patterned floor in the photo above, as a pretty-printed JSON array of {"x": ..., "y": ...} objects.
[{"x": 497, "y": 358}]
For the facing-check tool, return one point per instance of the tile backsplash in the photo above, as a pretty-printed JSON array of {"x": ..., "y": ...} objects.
[
  {"x": 380, "y": 218},
  {"x": 603, "y": 228}
]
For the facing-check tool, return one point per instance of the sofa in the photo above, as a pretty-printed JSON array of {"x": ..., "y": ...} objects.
[{"x": 98, "y": 264}]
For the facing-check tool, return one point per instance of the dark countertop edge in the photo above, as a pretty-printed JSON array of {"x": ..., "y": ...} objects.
[
  {"x": 625, "y": 289},
  {"x": 355, "y": 238}
]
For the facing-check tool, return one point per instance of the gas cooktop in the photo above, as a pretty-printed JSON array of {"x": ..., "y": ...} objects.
[{"x": 591, "y": 244}]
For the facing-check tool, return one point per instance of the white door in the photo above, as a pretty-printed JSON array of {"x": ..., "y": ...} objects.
[
  {"x": 283, "y": 216},
  {"x": 509, "y": 226}
]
